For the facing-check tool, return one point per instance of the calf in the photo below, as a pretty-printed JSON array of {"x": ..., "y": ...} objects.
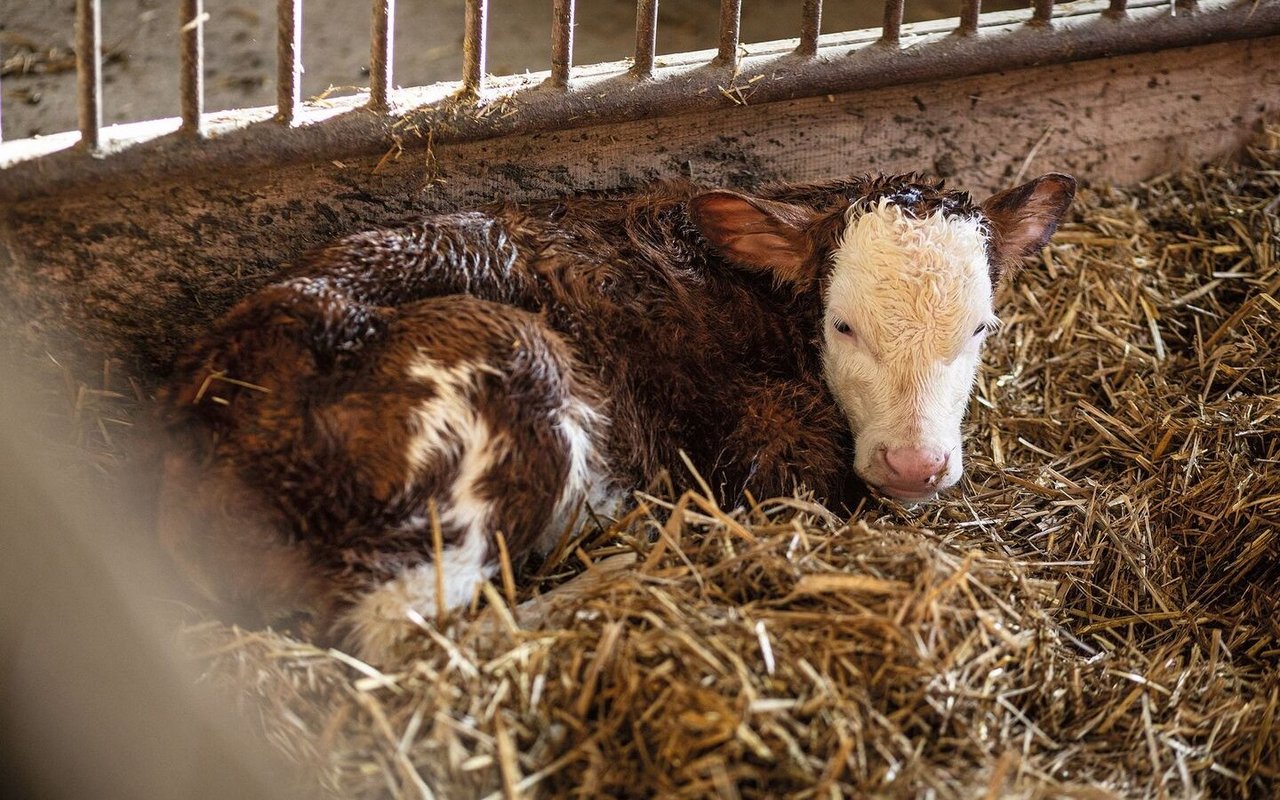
[{"x": 515, "y": 370}]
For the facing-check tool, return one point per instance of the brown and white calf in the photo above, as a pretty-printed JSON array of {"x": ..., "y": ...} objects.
[{"x": 505, "y": 371}]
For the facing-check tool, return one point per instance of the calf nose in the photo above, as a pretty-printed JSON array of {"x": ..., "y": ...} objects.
[{"x": 916, "y": 465}]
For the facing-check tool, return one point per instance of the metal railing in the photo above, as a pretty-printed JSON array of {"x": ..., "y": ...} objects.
[
  {"x": 192, "y": 87},
  {"x": 811, "y": 65},
  {"x": 89, "y": 70}
]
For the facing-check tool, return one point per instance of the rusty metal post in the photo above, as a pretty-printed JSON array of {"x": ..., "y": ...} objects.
[
  {"x": 730, "y": 32},
  {"x": 1043, "y": 13},
  {"x": 969, "y": 14},
  {"x": 810, "y": 28},
  {"x": 891, "y": 31},
  {"x": 561, "y": 41},
  {"x": 1117, "y": 8},
  {"x": 288, "y": 60},
  {"x": 646, "y": 38},
  {"x": 89, "y": 71},
  {"x": 191, "y": 35},
  {"x": 382, "y": 53},
  {"x": 475, "y": 45}
]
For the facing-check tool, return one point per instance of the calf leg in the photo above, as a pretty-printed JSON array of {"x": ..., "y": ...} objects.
[
  {"x": 385, "y": 615},
  {"x": 334, "y": 475},
  {"x": 506, "y": 440}
]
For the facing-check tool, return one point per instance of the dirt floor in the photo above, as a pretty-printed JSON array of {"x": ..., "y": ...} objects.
[{"x": 141, "y": 49}]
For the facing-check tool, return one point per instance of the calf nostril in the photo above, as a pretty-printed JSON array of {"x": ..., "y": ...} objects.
[{"x": 917, "y": 464}]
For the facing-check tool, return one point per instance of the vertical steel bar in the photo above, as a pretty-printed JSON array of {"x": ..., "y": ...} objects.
[
  {"x": 561, "y": 41},
  {"x": 1043, "y": 13},
  {"x": 646, "y": 37},
  {"x": 810, "y": 27},
  {"x": 475, "y": 45},
  {"x": 969, "y": 14},
  {"x": 89, "y": 70},
  {"x": 730, "y": 32},
  {"x": 191, "y": 35},
  {"x": 892, "y": 29},
  {"x": 288, "y": 60},
  {"x": 382, "y": 53}
]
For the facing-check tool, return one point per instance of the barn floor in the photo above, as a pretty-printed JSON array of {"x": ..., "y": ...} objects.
[{"x": 1093, "y": 615}]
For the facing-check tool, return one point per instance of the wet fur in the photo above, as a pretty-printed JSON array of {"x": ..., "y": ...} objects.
[{"x": 293, "y": 487}]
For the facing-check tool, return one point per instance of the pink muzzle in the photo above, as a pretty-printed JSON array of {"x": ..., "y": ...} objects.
[{"x": 914, "y": 471}]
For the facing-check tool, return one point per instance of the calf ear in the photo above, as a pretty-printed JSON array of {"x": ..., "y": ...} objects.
[
  {"x": 1024, "y": 217},
  {"x": 758, "y": 234}
]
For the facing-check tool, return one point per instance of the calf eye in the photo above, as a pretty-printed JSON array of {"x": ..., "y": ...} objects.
[{"x": 843, "y": 328}]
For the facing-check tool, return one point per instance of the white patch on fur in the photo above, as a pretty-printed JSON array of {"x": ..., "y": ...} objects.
[
  {"x": 384, "y": 617},
  {"x": 448, "y": 421},
  {"x": 914, "y": 291},
  {"x": 449, "y": 426},
  {"x": 587, "y": 483}
]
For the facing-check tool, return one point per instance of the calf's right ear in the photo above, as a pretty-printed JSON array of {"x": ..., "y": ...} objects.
[
  {"x": 1024, "y": 217},
  {"x": 758, "y": 234}
]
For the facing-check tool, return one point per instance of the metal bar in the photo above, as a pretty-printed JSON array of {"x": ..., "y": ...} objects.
[
  {"x": 288, "y": 60},
  {"x": 382, "y": 53},
  {"x": 969, "y": 14},
  {"x": 192, "y": 81},
  {"x": 475, "y": 44},
  {"x": 892, "y": 30},
  {"x": 730, "y": 32},
  {"x": 646, "y": 37},
  {"x": 1117, "y": 7},
  {"x": 89, "y": 70},
  {"x": 50, "y": 166},
  {"x": 1043, "y": 13},
  {"x": 810, "y": 28},
  {"x": 1184, "y": 5},
  {"x": 561, "y": 41}
]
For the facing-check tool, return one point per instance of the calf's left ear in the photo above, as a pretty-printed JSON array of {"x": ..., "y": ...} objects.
[
  {"x": 761, "y": 235},
  {"x": 1024, "y": 218}
]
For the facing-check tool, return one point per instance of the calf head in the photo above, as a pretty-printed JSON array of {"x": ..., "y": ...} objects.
[{"x": 906, "y": 274}]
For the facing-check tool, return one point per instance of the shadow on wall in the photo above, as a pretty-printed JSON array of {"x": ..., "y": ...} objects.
[{"x": 94, "y": 701}]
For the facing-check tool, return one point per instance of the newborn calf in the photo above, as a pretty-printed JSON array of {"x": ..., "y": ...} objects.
[{"x": 513, "y": 371}]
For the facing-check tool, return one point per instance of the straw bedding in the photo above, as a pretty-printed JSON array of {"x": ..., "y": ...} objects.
[{"x": 1091, "y": 614}]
